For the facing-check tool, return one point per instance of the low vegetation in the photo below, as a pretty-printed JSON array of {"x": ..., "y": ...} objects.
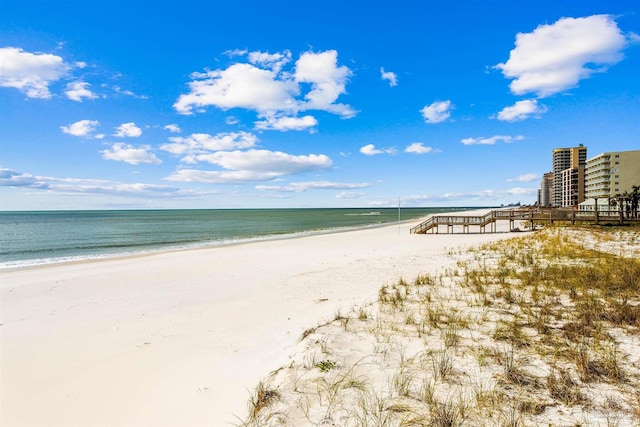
[{"x": 532, "y": 331}]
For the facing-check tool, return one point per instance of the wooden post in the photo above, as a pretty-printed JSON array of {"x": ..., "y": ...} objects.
[{"x": 530, "y": 220}]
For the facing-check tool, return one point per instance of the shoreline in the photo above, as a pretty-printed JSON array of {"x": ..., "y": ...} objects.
[
  {"x": 45, "y": 262},
  {"x": 196, "y": 246},
  {"x": 181, "y": 337}
]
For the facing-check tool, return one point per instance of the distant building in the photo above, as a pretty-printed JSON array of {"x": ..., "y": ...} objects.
[
  {"x": 572, "y": 183},
  {"x": 609, "y": 174},
  {"x": 568, "y": 176},
  {"x": 545, "y": 197}
]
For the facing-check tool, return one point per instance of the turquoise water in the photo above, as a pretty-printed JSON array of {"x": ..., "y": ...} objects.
[{"x": 33, "y": 238}]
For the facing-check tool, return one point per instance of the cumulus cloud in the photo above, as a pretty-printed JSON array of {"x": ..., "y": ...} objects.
[
  {"x": 30, "y": 73},
  {"x": 371, "y": 150},
  {"x": 129, "y": 130},
  {"x": 239, "y": 86},
  {"x": 491, "y": 140},
  {"x": 299, "y": 187},
  {"x": 287, "y": 123},
  {"x": 437, "y": 112},
  {"x": 78, "y": 90},
  {"x": 262, "y": 86},
  {"x": 527, "y": 177},
  {"x": 122, "y": 152},
  {"x": 81, "y": 128},
  {"x": 328, "y": 81},
  {"x": 252, "y": 166},
  {"x": 275, "y": 162},
  {"x": 173, "y": 128},
  {"x": 555, "y": 57},
  {"x": 191, "y": 148},
  {"x": 391, "y": 77},
  {"x": 522, "y": 110},
  {"x": 418, "y": 148}
]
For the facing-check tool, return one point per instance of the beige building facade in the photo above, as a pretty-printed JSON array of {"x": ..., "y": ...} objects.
[{"x": 612, "y": 173}]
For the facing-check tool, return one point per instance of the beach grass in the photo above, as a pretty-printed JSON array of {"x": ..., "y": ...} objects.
[{"x": 542, "y": 329}]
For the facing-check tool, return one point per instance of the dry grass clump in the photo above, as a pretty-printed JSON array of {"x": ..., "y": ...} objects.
[{"x": 538, "y": 330}]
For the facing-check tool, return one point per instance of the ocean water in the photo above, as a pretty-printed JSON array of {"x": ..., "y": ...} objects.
[{"x": 43, "y": 237}]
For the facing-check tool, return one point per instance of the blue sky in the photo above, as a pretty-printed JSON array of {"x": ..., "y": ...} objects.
[{"x": 220, "y": 104}]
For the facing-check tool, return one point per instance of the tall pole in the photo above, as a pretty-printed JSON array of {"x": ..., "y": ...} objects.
[{"x": 398, "y": 214}]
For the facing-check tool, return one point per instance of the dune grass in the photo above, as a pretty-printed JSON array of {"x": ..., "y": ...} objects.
[{"x": 538, "y": 330}]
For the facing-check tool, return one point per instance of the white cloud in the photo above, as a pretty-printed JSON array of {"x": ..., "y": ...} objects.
[
  {"x": 522, "y": 110},
  {"x": 389, "y": 76},
  {"x": 217, "y": 177},
  {"x": 30, "y": 73},
  {"x": 437, "y": 112},
  {"x": 491, "y": 140},
  {"x": 198, "y": 144},
  {"x": 239, "y": 86},
  {"x": 350, "y": 195},
  {"x": 527, "y": 177},
  {"x": 371, "y": 150},
  {"x": 129, "y": 130},
  {"x": 273, "y": 61},
  {"x": 235, "y": 52},
  {"x": 173, "y": 128},
  {"x": 287, "y": 123},
  {"x": 469, "y": 197},
  {"x": 418, "y": 148},
  {"x": 122, "y": 152},
  {"x": 81, "y": 127},
  {"x": 12, "y": 178},
  {"x": 118, "y": 89},
  {"x": 298, "y": 187},
  {"x": 328, "y": 82},
  {"x": 555, "y": 57},
  {"x": 262, "y": 86},
  {"x": 252, "y": 166},
  {"x": 270, "y": 161},
  {"x": 78, "y": 90}
]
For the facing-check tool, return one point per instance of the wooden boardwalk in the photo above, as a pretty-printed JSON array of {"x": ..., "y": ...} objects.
[{"x": 530, "y": 216}]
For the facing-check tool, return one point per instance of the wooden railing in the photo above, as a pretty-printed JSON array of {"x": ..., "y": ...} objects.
[{"x": 532, "y": 215}]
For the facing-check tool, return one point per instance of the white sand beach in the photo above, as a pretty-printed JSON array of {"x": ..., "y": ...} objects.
[{"x": 181, "y": 338}]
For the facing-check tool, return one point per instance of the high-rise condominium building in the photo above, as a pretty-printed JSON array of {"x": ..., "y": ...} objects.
[
  {"x": 609, "y": 174},
  {"x": 546, "y": 190},
  {"x": 568, "y": 175}
]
